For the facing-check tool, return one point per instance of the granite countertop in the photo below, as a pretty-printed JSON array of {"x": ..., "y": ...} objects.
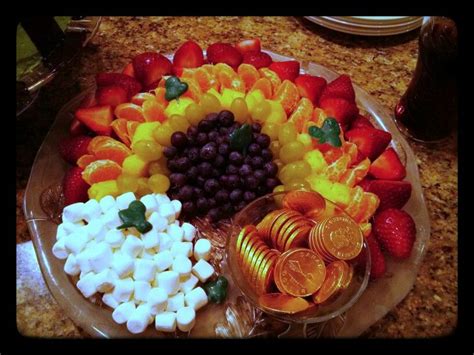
[{"x": 381, "y": 66}]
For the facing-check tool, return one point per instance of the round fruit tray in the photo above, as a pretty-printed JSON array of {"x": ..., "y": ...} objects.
[{"x": 237, "y": 317}]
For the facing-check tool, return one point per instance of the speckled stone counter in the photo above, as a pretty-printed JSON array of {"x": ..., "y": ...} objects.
[{"x": 381, "y": 66}]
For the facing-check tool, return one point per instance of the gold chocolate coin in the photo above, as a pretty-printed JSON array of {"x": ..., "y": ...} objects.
[{"x": 278, "y": 302}]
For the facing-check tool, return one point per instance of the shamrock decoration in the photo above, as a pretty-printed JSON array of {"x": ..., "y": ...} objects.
[
  {"x": 174, "y": 88},
  {"x": 216, "y": 290},
  {"x": 134, "y": 216},
  {"x": 241, "y": 138},
  {"x": 328, "y": 133}
]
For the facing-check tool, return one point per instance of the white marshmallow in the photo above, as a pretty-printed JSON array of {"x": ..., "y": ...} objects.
[
  {"x": 105, "y": 280},
  {"x": 74, "y": 213},
  {"x": 139, "y": 319},
  {"x": 175, "y": 232},
  {"x": 150, "y": 239},
  {"x": 165, "y": 322},
  {"x": 114, "y": 238},
  {"x": 87, "y": 285},
  {"x": 167, "y": 211},
  {"x": 169, "y": 281},
  {"x": 183, "y": 248},
  {"x": 163, "y": 260},
  {"x": 202, "y": 249},
  {"x": 61, "y": 232},
  {"x": 124, "y": 200},
  {"x": 165, "y": 241},
  {"x": 107, "y": 203},
  {"x": 110, "y": 301},
  {"x": 177, "y": 205},
  {"x": 182, "y": 265},
  {"x": 83, "y": 262},
  {"x": 70, "y": 266},
  {"x": 122, "y": 313},
  {"x": 175, "y": 302},
  {"x": 144, "y": 270},
  {"x": 101, "y": 257},
  {"x": 147, "y": 254},
  {"x": 186, "y": 318},
  {"x": 91, "y": 210},
  {"x": 71, "y": 227},
  {"x": 188, "y": 284},
  {"x": 111, "y": 219},
  {"x": 59, "y": 249},
  {"x": 122, "y": 264},
  {"x": 150, "y": 202},
  {"x": 76, "y": 241},
  {"x": 142, "y": 289},
  {"x": 157, "y": 299},
  {"x": 96, "y": 229},
  {"x": 161, "y": 199},
  {"x": 132, "y": 246},
  {"x": 203, "y": 270},
  {"x": 123, "y": 289},
  {"x": 158, "y": 222},
  {"x": 189, "y": 231},
  {"x": 196, "y": 298}
]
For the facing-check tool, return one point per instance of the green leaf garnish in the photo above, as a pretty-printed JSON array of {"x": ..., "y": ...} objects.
[
  {"x": 241, "y": 138},
  {"x": 174, "y": 88},
  {"x": 134, "y": 216},
  {"x": 216, "y": 290},
  {"x": 328, "y": 133}
]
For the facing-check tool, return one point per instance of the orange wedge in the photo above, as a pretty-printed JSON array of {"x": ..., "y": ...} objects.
[
  {"x": 302, "y": 114},
  {"x": 272, "y": 76},
  {"x": 120, "y": 128},
  {"x": 101, "y": 170},
  {"x": 194, "y": 90},
  {"x": 265, "y": 86},
  {"x": 354, "y": 175},
  {"x": 205, "y": 79},
  {"x": 112, "y": 150},
  {"x": 85, "y": 160},
  {"x": 338, "y": 168},
  {"x": 96, "y": 141},
  {"x": 160, "y": 97},
  {"x": 153, "y": 111},
  {"x": 139, "y": 98},
  {"x": 248, "y": 74},
  {"x": 129, "y": 112},
  {"x": 288, "y": 95},
  {"x": 228, "y": 78}
]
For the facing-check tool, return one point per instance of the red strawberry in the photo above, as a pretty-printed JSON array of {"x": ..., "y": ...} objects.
[
  {"x": 224, "y": 53},
  {"x": 127, "y": 82},
  {"x": 248, "y": 45},
  {"x": 361, "y": 122},
  {"x": 365, "y": 183},
  {"x": 378, "y": 267},
  {"x": 257, "y": 59},
  {"x": 288, "y": 70},
  {"x": 77, "y": 128},
  {"x": 340, "y": 88},
  {"x": 341, "y": 109},
  {"x": 396, "y": 232},
  {"x": 97, "y": 118},
  {"x": 310, "y": 86},
  {"x": 73, "y": 148},
  {"x": 74, "y": 186},
  {"x": 392, "y": 194},
  {"x": 150, "y": 67},
  {"x": 112, "y": 95},
  {"x": 189, "y": 55},
  {"x": 128, "y": 70},
  {"x": 388, "y": 166},
  {"x": 89, "y": 101},
  {"x": 370, "y": 141}
]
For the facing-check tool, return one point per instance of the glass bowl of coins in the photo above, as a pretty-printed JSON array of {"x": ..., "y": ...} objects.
[{"x": 298, "y": 257}]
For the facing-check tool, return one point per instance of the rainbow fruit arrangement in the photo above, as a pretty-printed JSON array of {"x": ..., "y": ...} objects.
[{"x": 217, "y": 131}]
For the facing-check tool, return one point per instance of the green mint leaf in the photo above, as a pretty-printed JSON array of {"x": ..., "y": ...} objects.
[
  {"x": 174, "y": 88},
  {"x": 134, "y": 216},
  {"x": 328, "y": 133},
  {"x": 241, "y": 138}
]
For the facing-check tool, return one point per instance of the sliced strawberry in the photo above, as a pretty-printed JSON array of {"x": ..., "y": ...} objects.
[
  {"x": 310, "y": 86},
  {"x": 73, "y": 148},
  {"x": 392, "y": 194},
  {"x": 257, "y": 59},
  {"x": 396, "y": 231},
  {"x": 189, "y": 55},
  {"x": 365, "y": 183},
  {"x": 127, "y": 82},
  {"x": 378, "y": 266},
  {"x": 224, "y": 53},
  {"x": 248, "y": 45},
  {"x": 97, "y": 118},
  {"x": 77, "y": 128},
  {"x": 361, "y": 122},
  {"x": 288, "y": 70},
  {"x": 128, "y": 70},
  {"x": 388, "y": 166},
  {"x": 74, "y": 186},
  {"x": 341, "y": 109},
  {"x": 112, "y": 95},
  {"x": 89, "y": 101},
  {"x": 340, "y": 88},
  {"x": 150, "y": 67},
  {"x": 370, "y": 141}
]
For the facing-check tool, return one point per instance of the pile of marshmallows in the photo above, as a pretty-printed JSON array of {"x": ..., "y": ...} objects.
[{"x": 142, "y": 277}]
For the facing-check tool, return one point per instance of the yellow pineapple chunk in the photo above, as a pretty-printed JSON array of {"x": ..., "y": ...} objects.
[
  {"x": 144, "y": 131},
  {"x": 135, "y": 166},
  {"x": 101, "y": 189}
]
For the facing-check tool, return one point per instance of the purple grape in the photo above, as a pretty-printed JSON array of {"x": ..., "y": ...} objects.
[
  {"x": 213, "y": 118},
  {"x": 170, "y": 152},
  {"x": 219, "y": 161},
  {"x": 251, "y": 182},
  {"x": 211, "y": 186},
  {"x": 186, "y": 193},
  {"x": 249, "y": 196},
  {"x": 224, "y": 180},
  {"x": 266, "y": 154},
  {"x": 240, "y": 206},
  {"x": 256, "y": 127},
  {"x": 202, "y": 205},
  {"x": 248, "y": 160},
  {"x": 271, "y": 183},
  {"x": 205, "y": 126},
  {"x": 193, "y": 154},
  {"x": 222, "y": 196},
  {"x": 215, "y": 173},
  {"x": 201, "y": 138},
  {"x": 226, "y": 118},
  {"x": 212, "y": 136},
  {"x": 233, "y": 181},
  {"x": 200, "y": 181},
  {"x": 223, "y": 149},
  {"x": 245, "y": 170},
  {"x": 209, "y": 151},
  {"x": 192, "y": 131},
  {"x": 236, "y": 195},
  {"x": 205, "y": 169},
  {"x": 188, "y": 208},
  {"x": 260, "y": 174},
  {"x": 211, "y": 201},
  {"x": 257, "y": 162},
  {"x": 227, "y": 209},
  {"x": 271, "y": 169},
  {"x": 223, "y": 131},
  {"x": 214, "y": 214},
  {"x": 232, "y": 169},
  {"x": 177, "y": 179},
  {"x": 220, "y": 140},
  {"x": 179, "y": 139},
  {"x": 263, "y": 140},
  {"x": 192, "y": 173},
  {"x": 261, "y": 190},
  {"x": 183, "y": 164},
  {"x": 254, "y": 149},
  {"x": 172, "y": 165},
  {"x": 198, "y": 192},
  {"x": 236, "y": 158}
]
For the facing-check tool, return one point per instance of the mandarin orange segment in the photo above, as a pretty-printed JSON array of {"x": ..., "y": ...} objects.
[
  {"x": 153, "y": 111},
  {"x": 335, "y": 170},
  {"x": 265, "y": 86},
  {"x": 228, "y": 78},
  {"x": 356, "y": 199},
  {"x": 129, "y": 112},
  {"x": 319, "y": 116},
  {"x": 351, "y": 149},
  {"x": 96, "y": 141},
  {"x": 194, "y": 90},
  {"x": 161, "y": 83},
  {"x": 354, "y": 175},
  {"x": 160, "y": 97},
  {"x": 131, "y": 128},
  {"x": 187, "y": 73},
  {"x": 368, "y": 205},
  {"x": 366, "y": 228},
  {"x": 205, "y": 80},
  {"x": 209, "y": 68},
  {"x": 85, "y": 160},
  {"x": 112, "y": 150},
  {"x": 139, "y": 98},
  {"x": 101, "y": 170},
  {"x": 302, "y": 114},
  {"x": 272, "y": 76},
  {"x": 120, "y": 128},
  {"x": 288, "y": 95},
  {"x": 248, "y": 74},
  {"x": 332, "y": 154}
]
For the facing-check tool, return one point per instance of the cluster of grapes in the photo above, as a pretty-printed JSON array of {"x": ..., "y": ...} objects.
[{"x": 209, "y": 177}]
